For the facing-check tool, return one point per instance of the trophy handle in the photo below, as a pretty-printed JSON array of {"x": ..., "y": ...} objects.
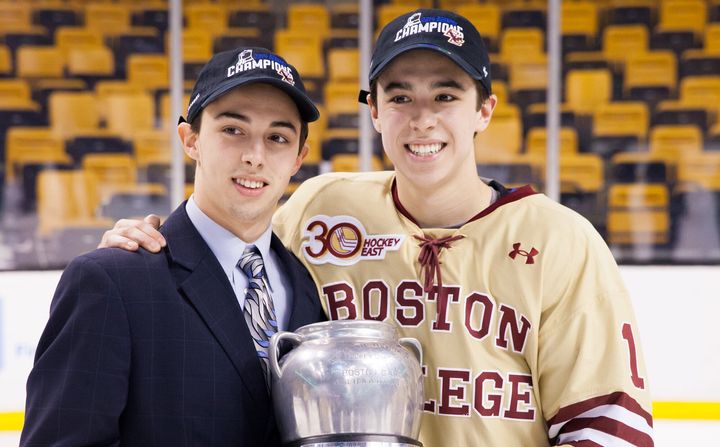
[
  {"x": 274, "y": 352},
  {"x": 413, "y": 345}
]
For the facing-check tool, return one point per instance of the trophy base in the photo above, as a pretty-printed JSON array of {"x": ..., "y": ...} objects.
[{"x": 354, "y": 440}]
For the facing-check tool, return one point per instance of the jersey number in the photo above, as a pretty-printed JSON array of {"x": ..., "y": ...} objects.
[{"x": 627, "y": 334}]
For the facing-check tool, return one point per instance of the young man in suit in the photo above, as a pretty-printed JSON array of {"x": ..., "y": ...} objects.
[{"x": 171, "y": 350}]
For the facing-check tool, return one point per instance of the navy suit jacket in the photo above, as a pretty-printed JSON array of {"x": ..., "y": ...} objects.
[{"x": 149, "y": 349}]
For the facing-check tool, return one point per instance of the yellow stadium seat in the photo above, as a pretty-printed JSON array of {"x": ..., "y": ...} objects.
[
  {"x": 209, "y": 17},
  {"x": 351, "y": 163},
  {"x": 621, "y": 119},
  {"x": 109, "y": 19},
  {"x": 700, "y": 170},
  {"x": 303, "y": 50},
  {"x": 308, "y": 17},
  {"x": 712, "y": 38},
  {"x": 486, "y": 17},
  {"x": 505, "y": 133},
  {"x": 675, "y": 141},
  {"x": 455, "y": 4},
  {"x": 32, "y": 145},
  {"x": 149, "y": 70},
  {"x": 622, "y": 41},
  {"x": 124, "y": 113},
  {"x": 389, "y": 11},
  {"x": 652, "y": 69},
  {"x": 15, "y": 17},
  {"x": 586, "y": 89},
  {"x": 72, "y": 37},
  {"x": 683, "y": 15},
  {"x": 65, "y": 198},
  {"x": 638, "y": 214},
  {"x": 316, "y": 135},
  {"x": 537, "y": 141},
  {"x": 73, "y": 113},
  {"x": 197, "y": 45},
  {"x": 40, "y": 62},
  {"x": 6, "y": 65},
  {"x": 500, "y": 89},
  {"x": 701, "y": 91},
  {"x": 344, "y": 64},
  {"x": 167, "y": 120},
  {"x": 341, "y": 98},
  {"x": 152, "y": 147},
  {"x": 520, "y": 43},
  {"x": 529, "y": 72},
  {"x": 91, "y": 61},
  {"x": 106, "y": 171},
  {"x": 14, "y": 92},
  {"x": 581, "y": 173},
  {"x": 105, "y": 88},
  {"x": 580, "y": 18}
]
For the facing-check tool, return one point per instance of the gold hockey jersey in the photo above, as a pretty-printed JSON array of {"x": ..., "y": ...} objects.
[{"x": 528, "y": 332}]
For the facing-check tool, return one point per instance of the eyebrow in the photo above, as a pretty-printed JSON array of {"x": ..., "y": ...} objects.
[
  {"x": 449, "y": 83},
  {"x": 246, "y": 119}
]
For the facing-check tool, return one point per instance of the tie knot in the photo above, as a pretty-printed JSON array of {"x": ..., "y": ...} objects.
[{"x": 251, "y": 262}]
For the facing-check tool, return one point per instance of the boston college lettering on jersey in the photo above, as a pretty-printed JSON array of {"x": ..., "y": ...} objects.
[
  {"x": 416, "y": 23},
  {"x": 478, "y": 310}
]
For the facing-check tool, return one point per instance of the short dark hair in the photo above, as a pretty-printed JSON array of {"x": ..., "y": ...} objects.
[
  {"x": 483, "y": 94},
  {"x": 304, "y": 131}
]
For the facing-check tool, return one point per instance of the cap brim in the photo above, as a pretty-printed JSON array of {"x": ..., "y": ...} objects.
[{"x": 306, "y": 108}]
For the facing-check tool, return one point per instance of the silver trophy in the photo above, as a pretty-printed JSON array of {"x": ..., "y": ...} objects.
[{"x": 348, "y": 383}]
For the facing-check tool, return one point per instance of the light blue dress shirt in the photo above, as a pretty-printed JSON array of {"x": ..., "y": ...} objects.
[{"x": 228, "y": 248}]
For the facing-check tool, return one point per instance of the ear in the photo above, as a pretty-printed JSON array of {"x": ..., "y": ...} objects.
[
  {"x": 299, "y": 159},
  {"x": 484, "y": 114},
  {"x": 374, "y": 113},
  {"x": 188, "y": 139}
]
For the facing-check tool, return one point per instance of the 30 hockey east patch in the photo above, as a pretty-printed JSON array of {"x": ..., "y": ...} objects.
[{"x": 343, "y": 240}]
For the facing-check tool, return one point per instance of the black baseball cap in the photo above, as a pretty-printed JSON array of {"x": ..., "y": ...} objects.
[
  {"x": 439, "y": 30},
  {"x": 242, "y": 66}
]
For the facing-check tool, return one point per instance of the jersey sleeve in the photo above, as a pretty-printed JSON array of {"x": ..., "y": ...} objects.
[{"x": 591, "y": 374}]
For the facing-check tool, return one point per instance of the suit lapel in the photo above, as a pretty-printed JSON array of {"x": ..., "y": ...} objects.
[{"x": 201, "y": 279}]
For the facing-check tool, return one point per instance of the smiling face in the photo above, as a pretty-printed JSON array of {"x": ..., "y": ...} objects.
[
  {"x": 426, "y": 110},
  {"x": 246, "y": 152}
]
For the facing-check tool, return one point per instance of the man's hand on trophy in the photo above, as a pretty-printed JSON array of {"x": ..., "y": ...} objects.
[{"x": 129, "y": 234}]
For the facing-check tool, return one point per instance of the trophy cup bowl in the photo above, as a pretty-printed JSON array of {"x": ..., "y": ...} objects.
[{"x": 347, "y": 383}]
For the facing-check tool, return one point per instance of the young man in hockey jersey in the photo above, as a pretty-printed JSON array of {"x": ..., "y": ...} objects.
[{"x": 527, "y": 329}]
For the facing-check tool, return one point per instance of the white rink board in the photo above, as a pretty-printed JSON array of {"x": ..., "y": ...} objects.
[{"x": 676, "y": 307}]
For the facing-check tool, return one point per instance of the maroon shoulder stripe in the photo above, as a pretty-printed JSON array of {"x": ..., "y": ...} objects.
[
  {"x": 618, "y": 398},
  {"x": 514, "y": 195},
  {"x": 607, "y": 425}
]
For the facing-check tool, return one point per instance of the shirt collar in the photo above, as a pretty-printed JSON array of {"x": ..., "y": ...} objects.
[{"x": 226, "y": 247}]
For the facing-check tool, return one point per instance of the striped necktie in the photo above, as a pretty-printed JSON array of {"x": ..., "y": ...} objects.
[{"x": 259, "y": 309}]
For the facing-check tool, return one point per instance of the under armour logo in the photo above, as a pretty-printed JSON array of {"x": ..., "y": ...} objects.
[
  {"x": 485, "y": 72},
  {"x": 455, "y": 36},
  {"x": 530, "y": 256}
]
